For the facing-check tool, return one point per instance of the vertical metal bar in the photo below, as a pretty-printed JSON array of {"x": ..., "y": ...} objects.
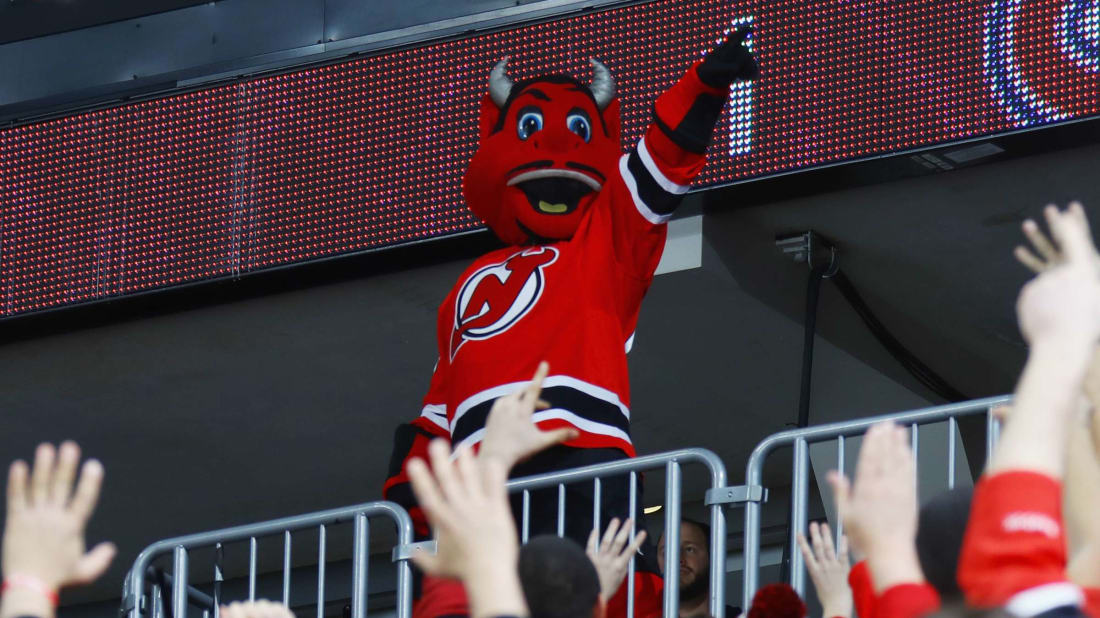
[
  {"x": 596, "y": 505},
  {"x": 630, "y": 566},
  {"x": 286, "y": 568},
  {"x": 989, "y": 439},
  {"x": 914, "y": 438},
  {"x": 751, "y": 551},
  {"x": 156, "y": 607},
  {"x": 672, "y": 539},
  {"x": 561, "y": 510},
  {"x": 952, "y": 429},
  {"x": 219, "y": 577},
  {"x": 840, "y": 469},
  {"x": 526, "y": 516},
  {"x": 359, "y": 567},
  {"x": 321, "y": 542},
  {"x": 799, "y": 496},
  {"x": 718, "y": 554},
  {"x": 179, "y": 582},
  {"x": 252, "y": 569}
]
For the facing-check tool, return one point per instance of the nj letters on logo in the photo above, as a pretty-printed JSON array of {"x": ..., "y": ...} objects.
[{"x": 498, "y": 295}]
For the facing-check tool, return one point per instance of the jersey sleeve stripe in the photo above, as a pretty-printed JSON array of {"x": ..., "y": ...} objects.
[
  {"x": 655, "y": 171},
  {"x": 580, "y": 422},
  {"x": 437, "y": 414},
  {"x": 653, "y": 215}
]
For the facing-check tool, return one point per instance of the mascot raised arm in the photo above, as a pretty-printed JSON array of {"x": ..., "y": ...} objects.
[{"x": 584, "y": 226}]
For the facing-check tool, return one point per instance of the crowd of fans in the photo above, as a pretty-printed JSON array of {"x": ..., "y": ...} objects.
[{"x": 1024, "y": 542}]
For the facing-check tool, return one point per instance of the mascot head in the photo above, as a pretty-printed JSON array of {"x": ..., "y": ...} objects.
[{"x": 549, "y": 145}]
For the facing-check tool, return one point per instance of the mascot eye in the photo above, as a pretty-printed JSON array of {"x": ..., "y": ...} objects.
[
  {"x": 530, "y": 122},
  {"x": 579, "y": 125}
]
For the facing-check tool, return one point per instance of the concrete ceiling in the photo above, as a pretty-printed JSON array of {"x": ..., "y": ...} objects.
[{"x": 285, "y": 402}]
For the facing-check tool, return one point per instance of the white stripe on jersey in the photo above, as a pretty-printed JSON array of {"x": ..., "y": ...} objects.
[
  {"x": 437, "y": 414},
  {"x": 506, "y": 389},
  {"x": 632, "y": 186},
  {"x": 1039, "y": 599},
  {"x": 584, "y": 424},
  {"x": 658, "y": 175}
]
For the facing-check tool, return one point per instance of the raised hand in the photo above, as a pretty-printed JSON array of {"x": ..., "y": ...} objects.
[
  {"x": 612, "y": 554},
  {"x": 828, "y": 568},
  {"x": 879, "y": 510},
  {"x": 44, "y": 533},
  {"x": 1063, "y": 302},
  {"x": 729, "y": 62},
  {"x": 476, "y": 541},
  {"x": 510, "y": 433}
]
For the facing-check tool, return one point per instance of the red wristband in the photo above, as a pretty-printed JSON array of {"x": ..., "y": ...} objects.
[{"x": 16, "y": 580}]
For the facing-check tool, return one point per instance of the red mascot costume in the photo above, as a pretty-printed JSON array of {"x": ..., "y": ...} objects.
[{"x": 585, "y": 228}]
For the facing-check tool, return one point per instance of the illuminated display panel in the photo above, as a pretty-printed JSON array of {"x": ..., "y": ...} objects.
[{"x": 370, "y": 153}]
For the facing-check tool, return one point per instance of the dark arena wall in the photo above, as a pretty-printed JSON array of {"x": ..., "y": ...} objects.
[{"x": 369, "y": 153}]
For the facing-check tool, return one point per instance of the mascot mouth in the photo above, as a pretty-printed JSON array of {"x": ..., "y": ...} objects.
[{"x": 554, "y": 191}]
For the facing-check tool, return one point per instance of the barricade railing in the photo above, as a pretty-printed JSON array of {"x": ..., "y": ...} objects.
[
  {"x": 801, "y": 439},
  {"x": 716, "y": 497},
  {"x": 143, "y": 593}
]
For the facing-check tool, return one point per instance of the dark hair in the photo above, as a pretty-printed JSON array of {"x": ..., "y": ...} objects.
[
  {"x": 940, "y": 530},
  {"x": 558, "y": 579},
  {"x": 704, "y": 528}
]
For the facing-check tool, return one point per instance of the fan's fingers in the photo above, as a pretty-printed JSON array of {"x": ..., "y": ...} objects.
[
  {"x": 1029, "y": 260},
  {"x": 557, "y": 436},
  {"x": 534, "y": 387},
  {"x": 61, "y": 486},
  {"x": 639, "y": 539},
  {"x": 609, "y": 534},
  {"x": 17, "y": 485},
  {"x": 827, "y": 542},
  {"x": 593, "y": 543},
  {"x": 842, "y": 551},
  {"x": 542, "y": 404},
  {"x": 443, "y": 469},
  {"x": 42, "y": 472},
  {"x": 94, "y": 563},
  {"x": 427, "y": 491},
  {"x": 87, "y": 489},
  {"x": 807, "y": 553},
  {"x": 1049, "y": 254},
  {"x": 817, "y": 543},
  {"x": 622, "y": 537},
  {"x": 426, "y": 561}
]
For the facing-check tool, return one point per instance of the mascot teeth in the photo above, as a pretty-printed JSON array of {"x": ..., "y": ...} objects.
[{"x": 554, "y": 209}]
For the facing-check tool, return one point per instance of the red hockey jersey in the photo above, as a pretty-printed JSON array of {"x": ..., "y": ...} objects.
[{"x": 573, "y": 303}]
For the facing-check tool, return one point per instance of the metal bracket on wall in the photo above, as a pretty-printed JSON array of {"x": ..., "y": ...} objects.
[{"x": 737, "y": 494}]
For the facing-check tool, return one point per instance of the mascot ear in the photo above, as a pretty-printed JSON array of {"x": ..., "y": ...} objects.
[
  {"x": 610, "y": 115},
  {"x": 490, "y": 114}
]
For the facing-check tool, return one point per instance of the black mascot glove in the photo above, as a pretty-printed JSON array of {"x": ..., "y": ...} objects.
[{"x": 729, "y": 62}]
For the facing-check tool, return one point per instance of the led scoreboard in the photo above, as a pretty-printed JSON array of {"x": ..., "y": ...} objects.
[{"x": 370, "y": 152}]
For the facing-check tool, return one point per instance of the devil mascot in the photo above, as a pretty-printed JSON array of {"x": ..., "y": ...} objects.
[{"x": 584, "y": 226}]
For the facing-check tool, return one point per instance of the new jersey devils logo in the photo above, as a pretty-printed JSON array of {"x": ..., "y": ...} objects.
[{"x": 498, "y": 295}]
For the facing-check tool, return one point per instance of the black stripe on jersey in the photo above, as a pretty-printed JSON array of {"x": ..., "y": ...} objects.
[
  {"x": 695, "y": 129},
  {"x": 651, "y": 193},
  {"x": 563, "y": 397}
]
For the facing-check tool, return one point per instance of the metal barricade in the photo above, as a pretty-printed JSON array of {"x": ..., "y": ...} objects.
[
  {"x": 716, "y": 498},
  {"x": 136, "y": 601},
  {"x": 801, "y": 439}
]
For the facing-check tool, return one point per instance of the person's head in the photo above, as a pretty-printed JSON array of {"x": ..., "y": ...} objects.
[
  {"x": 694, "y": 558},
  {"x": 559, "y": 580},
  {"x": 777, "y": 601},
  {"x": 940, "y": 530}
]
